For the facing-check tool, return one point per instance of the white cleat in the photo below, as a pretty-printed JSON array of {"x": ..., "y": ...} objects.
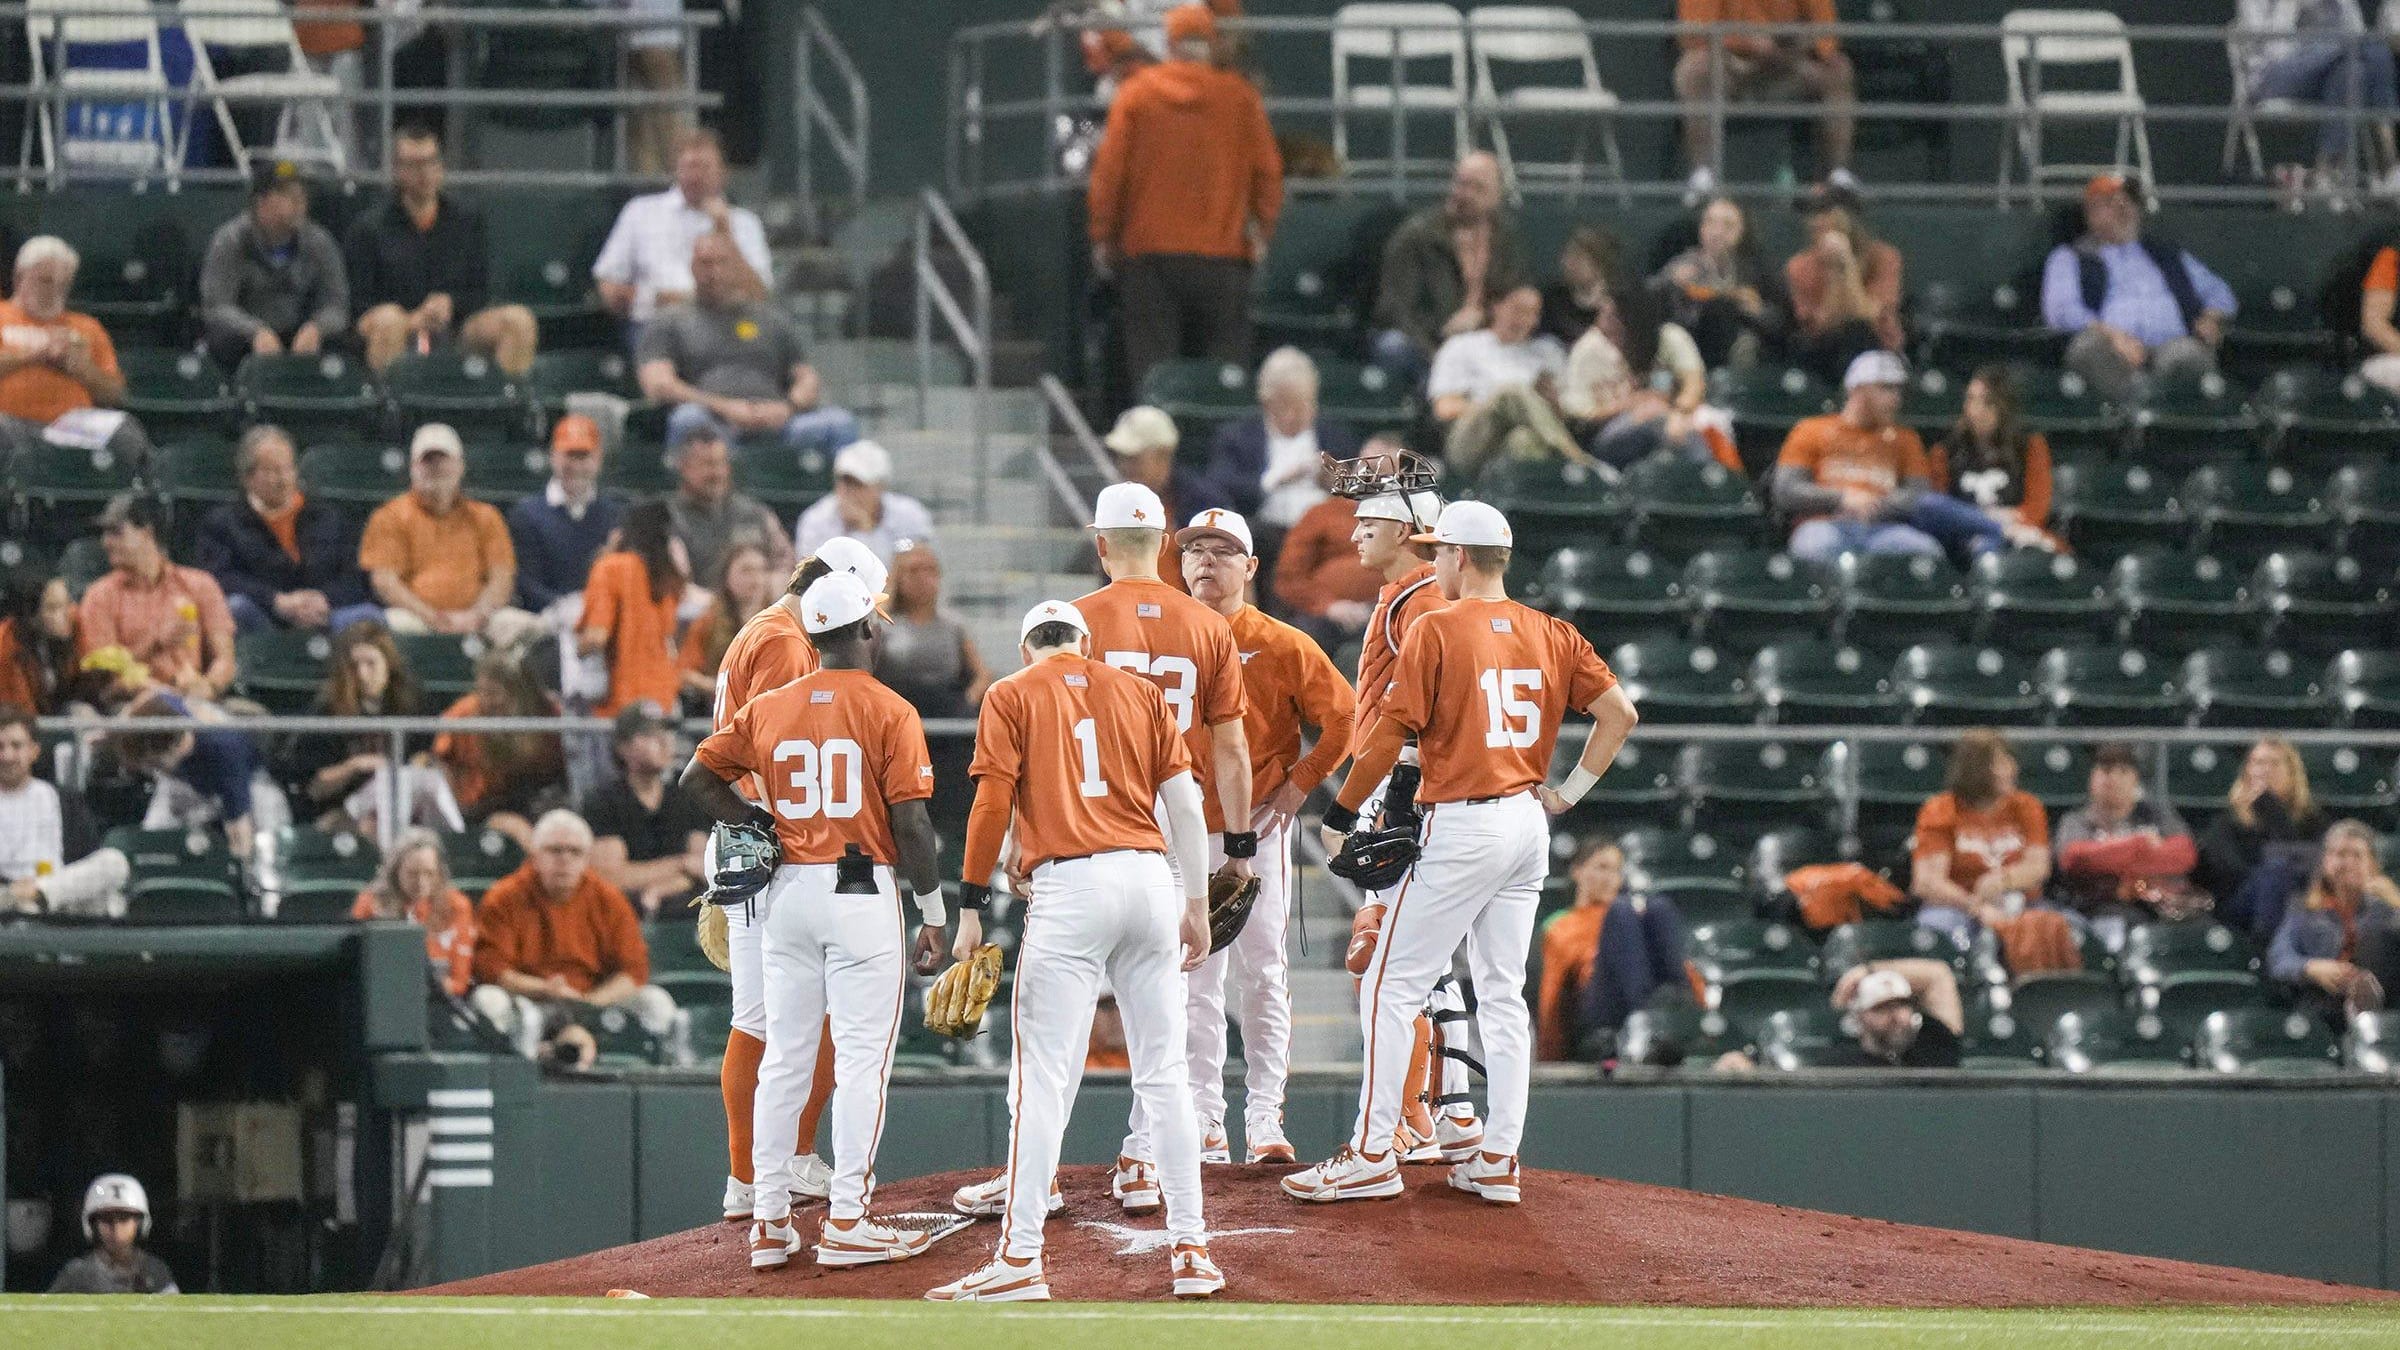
[
  {"x": 737, "y": 1199},
  {"x": 989, "y": 1199},
  {"x": 772, "y": 1242},
  {"x": 1347, "y": 1175},
  {"x": 1457, "y": 1137},
  {"x": 864, "y": 1242},
  {"x": 1414, "y": 1149},
  {"x": 809, "y": 1179},
  {"x": 1263, "y": 1137},
  {"x": 1214, "y": 1147},
  {"x": 1003, "y": 1281},
  {"x": 1492, "y": 1178},
  {"x": 1135, "y": 1185},
  {"x": 1195, "y": 1275}
]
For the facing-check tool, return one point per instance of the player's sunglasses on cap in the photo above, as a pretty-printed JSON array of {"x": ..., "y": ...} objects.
[
  {"x": 1052, "y": 611},
  {"x": 1217, "y": 524},
  {"x": 836, "y": 600},
  {"x": 1129, "y": 506},
  {"x": 1474, "y": 524}
]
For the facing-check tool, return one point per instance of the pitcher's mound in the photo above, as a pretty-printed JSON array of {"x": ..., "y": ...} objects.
[{"x": 1576, "y": 1239}]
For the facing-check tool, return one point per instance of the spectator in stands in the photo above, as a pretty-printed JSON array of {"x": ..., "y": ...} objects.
[
  {"x": 51, "y": 861},
  {"x": 39, "y": 652},
  {"x": 710, "y": 517},
  {"x": 1994, "y": 462},
  {"x": 1320, "y": 585},
  {"x": 2338, "y": 950},
  {"x": 1982, "y": 846},
  {"x": 1594, "y": 971},
  {"x": 53, "y": 360},
  {"x": 1721, "y": 291},
  {"x": 172, "y": 619},
  {"x": 556, "y": 939},
  {"x": 2257, "y": 851},
  {"x": 1634, "y": 381},
  {"x": 1844, "y": 287},
  {"x": 1587, "y": 268},
  {"x": 440, "y": 561},
  {"x": 273, "y": 280},
  {"x": 1763, "y": 68},
  {"x": 1444, "y": 269},
  {"x": 414, "y": 885},
  {"x": 201, "y": 778},
  {"x": 863, "y": 506},
  {"x": 646, "y": 265},
  {"x": 2378, "y": 336},
  {"x": 732, "y": 358},
  {"x": 420, "y": 269},
  {"x": 364, "y": 677},
  {"x": 1185, "y": 187},
  {"x": 502, "y": 780},
  {"x": 1908, "y": 1012},
  {"x": 2317, "y": 52},
  {"x": 1853, "y": 478},
  {"x": 648, "y": 831},
  {"x": 1495, "y": 389},
  {"x": 116, "y": 1216},
  {"x": 654, "y": 60},
  {"x": 557, "y": 534},
  {"x": 2140, "y": 309},
  {"x": 282, "y": 560},
  {"x": 1144, "y": 441},
  {"x": 2119, "y": 852},
  {"x": 629, "y": 609},
  {"x": 1267, "y": 466},
  {"x": 925, "y": 654},
  {"x": 744, "y": 587}
]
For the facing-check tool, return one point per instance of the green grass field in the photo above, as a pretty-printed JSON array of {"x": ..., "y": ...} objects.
[{"x": 601, "y": 1324}]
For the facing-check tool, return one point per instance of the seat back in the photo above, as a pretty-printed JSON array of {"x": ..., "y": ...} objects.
[
  {"x": 1531, "y": 35},
  {"x": 2043, "y": 38},
  {"x": 241, "y": 23},
  {"x": 118, "y": 118}
]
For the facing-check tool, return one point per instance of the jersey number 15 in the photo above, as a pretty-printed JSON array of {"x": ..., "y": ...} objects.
[
  {"x": 813, "y": 779},
  {"x": 1515, "y": 721}
]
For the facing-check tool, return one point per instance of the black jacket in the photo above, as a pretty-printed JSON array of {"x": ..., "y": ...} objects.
[
  {"x": 238, "y": 549},
  {"x": 391, "y": 262}
]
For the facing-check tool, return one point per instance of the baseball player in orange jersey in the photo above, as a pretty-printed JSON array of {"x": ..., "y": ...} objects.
[
  {"x": 1289, "y": 684},
  {"x": 1141, "y": 624},
  {"x": 771, "y": 650},
  {"x": 1482, "y": 685},
  {"x": 846, "y": 772},
  {"x": 1087, "y": 758}
]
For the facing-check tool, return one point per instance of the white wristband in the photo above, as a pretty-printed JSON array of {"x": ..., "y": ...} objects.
[
  {"x": 931, "y": 909},
  {"x": 1580, "y": 781}
]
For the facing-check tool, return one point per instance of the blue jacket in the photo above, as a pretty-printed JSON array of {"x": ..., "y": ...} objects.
[
  {"x": 555, "y": 550},
  {"x": 237, "y": 548},
  {"x": 1237, "y": 459},
  {"x": 2316, "y": 935}
]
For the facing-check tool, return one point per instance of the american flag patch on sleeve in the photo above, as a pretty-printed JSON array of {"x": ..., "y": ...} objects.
[
  {"x": 1145, "y": 611},
  {"x": 1502, "y": 626},
  {"x": 924, "y": 771},
  {"x": 820, "y": 696},
  {"x": 1077, "y": 682}
]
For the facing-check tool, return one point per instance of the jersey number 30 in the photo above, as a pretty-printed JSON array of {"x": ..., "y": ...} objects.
[
  {"x": 1515, "y": 720},
  {"x": 1176, "y": 677},
  {"x": 812, "y": 780}
]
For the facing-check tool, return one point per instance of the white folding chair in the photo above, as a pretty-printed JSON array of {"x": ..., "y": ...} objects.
[
  {"x": 1543, "y": 35},
  {"x": 2034, "y": 43},
  {"x": 1395, "y": 34},
  {"x": 111, "y": 111},
  {"x": 264, "y": 26}
]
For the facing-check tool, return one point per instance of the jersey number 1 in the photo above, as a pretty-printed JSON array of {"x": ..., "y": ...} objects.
[
  {"x": 1087, "y": 740},
  {"x": 1515, "y": 720},
  {"x": 822, "y": 780}
]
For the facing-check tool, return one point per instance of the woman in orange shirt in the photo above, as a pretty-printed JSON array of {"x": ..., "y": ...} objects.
[
  {"x": 503, "y": 780},
  {"x": 745, "y": 585},
  {"x": 415, "y": 885},
  {"x": 1601, "y": 959},
  {"x": 1983, "y": 847},
  {"x": 629, "y": 605}
]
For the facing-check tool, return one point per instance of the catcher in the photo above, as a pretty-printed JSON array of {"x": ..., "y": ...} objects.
[{"x": 847, "y": 772}]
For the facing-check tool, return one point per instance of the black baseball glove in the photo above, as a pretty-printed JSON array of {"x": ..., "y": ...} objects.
[
  {"x": 1376, "y": 859},
  {"x": 741, "y": 860}
]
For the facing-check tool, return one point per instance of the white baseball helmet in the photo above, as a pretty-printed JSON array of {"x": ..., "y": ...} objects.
[{"x": 114, "y": 1192}]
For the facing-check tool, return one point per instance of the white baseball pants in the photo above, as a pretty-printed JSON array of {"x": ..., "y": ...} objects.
[
  {"x": 843, "y": 956},
  {"x": 1111, "y": 917},
  {"x": 1256, "y": 969},
  {"x": 743, "y": 933},
  {"x": 1139, "y": 1142},
  {"x": 1480, "y": 880}
]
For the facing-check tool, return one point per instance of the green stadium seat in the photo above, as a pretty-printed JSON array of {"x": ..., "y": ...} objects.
[
  {"x": 2243, "y": 512},
  {"x": 1199, "y": 394},
  {"x": 465, "y": 389},
  {"x": 1614, "y": 595},
  {"x": 2068, "y": 412},
  {"x": 2198, "y": 778},
  {"x": 1892, "y": 780},
  {"x": 319, "y": 873},
  {"x": 1766, "y": 403},
  {"x": 362, "y": 477},
  {"x": 2153, "y": 951},
  {"x": 2366, "y": 500},
  {"x": 1854, "y": 944},
  {"x": 1681, "y": 507},
  {"x": 2059, "y": 773},
  {"x": 2030, "y": 601},
  {"x": 1673, "y": 682},
  {"x": 2108, "y": 1041},
  {"x": 2318, "y": 605},
  {"x": 501, "y": 475},
  {"x": 2189, "y": 418},
  {"x": 2277, "y": 323},
  {"x": 557, "y": 375},
  {"x": 1743, "y": 597},
  {"x": 1748, "y": 998},
  {"x": 1965, "y": 327},
  {"x": 1641, "y": 788},
  {"x": 1966, "y": 686},
  {"x": 2120, "y": 686},
  {"x": 1891, "y": 601},
  {"x": 479, "y": 858},
  {"x": 2176, "y": 602},
  {"x": 1743, "y": 789},
  {"x": 711, "y": 1024},
  {"x": 2240, "y": 687},
  {"x": 60, "y": 490},
  {"x": 178, "y": 394},
  {"x": 2184, "y": 999},
  {"x": 638, "y": 468},
  {"x": 282, "y": 668},
  {"x": 443, "y": 663},
  {"x": 1722, "y": 948},
  {"x": 2373, "y": 1043},
  {"x": 191, "y": 477},
  {"x": 1706, "y": 904},
  {"x": 788, "y": 480},
  {"x": 2031, "y": 1008},
  {"x": 2321, "y": 421},
  {"x": 1813, "y": 682},
  {"x": 1685, "y": 858},
  {"x": 1931, "y": 402},
  {"x": 1785, "y": 849},
  {"x": 179, "y": 876},
  {"x": 2347, "y": 781},
  {"x": 1670, "y": 1034},
  {"x": 2108, "y": 509},
  {"x": 2274, "y": 1042},
  {"x": 1553, "y": 504},
  {"x": 542, "y": 242},
  {"x": 1804, "y": 1038},
  {"x": 1365, "y": 396},
  {"x": 2367, "y": 685},
  {"x": 326, "y": 398},
  {"x": 1308, "y": 290}
]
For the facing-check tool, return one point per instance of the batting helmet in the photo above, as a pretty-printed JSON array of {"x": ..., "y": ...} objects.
[{"x": 114, "y": 1193}]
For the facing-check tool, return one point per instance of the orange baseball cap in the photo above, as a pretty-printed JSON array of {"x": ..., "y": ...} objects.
[
  {"x": 1187, "y": 23},
  {"x": 2105, "y": 184},
  {"x": 576, "y": 432}
]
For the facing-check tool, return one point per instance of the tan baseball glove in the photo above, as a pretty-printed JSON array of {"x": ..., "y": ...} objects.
[
  {"x": 954, "y": 1005},
  {"x": 1229, "y": 901},
  {"x": 713, "y": 935}
]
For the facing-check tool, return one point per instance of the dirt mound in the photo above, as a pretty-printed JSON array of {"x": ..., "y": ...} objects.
[{"x": 1576, "y": 1239}]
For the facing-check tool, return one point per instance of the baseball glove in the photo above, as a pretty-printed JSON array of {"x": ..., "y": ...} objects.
[
  {"x": 1375, "y": 859},
  {"x": 741, "y": 861},
  {"x": 954, "y": 1005},
  {"x": 1229, "y": 901},
  {"x": 714, "y": 935}
]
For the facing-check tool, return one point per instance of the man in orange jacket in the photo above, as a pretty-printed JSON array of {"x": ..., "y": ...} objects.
[{"x": 1185, "y": 189}]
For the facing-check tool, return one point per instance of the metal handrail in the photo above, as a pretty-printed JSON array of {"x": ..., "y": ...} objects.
[
  {"x": 815, "y": 113},
  {"x": 970, "y": 327},
  {"x": 1062, "y": 403}
]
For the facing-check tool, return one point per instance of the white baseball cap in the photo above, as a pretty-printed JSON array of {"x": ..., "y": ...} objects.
[
  {"x": 1878, "y": 988},
  {"x": 1875, "y": 368},
  {"x": 1129, "y": 506},
  {"x": 436, "y": 438},
  {"x": 864, "y": 462},
  {"x": 1220, "y": 523},
  {"x": 1472, "y": 523},
  {"x": 845, "y": 554},
  {"x": 1142, "y": 429},
  {"x": 1052, "y": 611},
  {"x": 835, "y": 600},
  {"x": 1417, "y": 510}
]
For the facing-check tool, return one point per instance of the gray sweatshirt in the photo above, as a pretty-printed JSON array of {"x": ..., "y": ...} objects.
[{"x": 245, "y": 287}]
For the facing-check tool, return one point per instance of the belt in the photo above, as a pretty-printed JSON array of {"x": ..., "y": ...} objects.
[
  {"x": 1483, "y": 801},
  {"x": 1079, "y": 857}
]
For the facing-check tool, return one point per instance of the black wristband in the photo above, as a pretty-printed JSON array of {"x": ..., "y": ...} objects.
[
  {"x": 972, "y": 896},
  {"x": 1340, "y": 818},
  {"x": 1241, "y": 843}
]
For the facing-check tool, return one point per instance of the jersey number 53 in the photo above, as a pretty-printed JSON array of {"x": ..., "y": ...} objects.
[
  {"x": 1515, "y": 721},
  {"x": 812, "y": 779},
  {"x": 1177, "y": 677}
]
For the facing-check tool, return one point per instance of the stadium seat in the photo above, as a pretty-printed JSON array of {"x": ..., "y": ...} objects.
[
  {"x": 1721, "y": 948},
  {"x": 1743, "y": 598},
  {"x": 2029, "y": 601},
  {"x": 1892, "y": 781},
  {"x": 2347, "y": 781},
  {"x": 1965, "y": 328},
  {"x": 1552, "y": 504},
  {"x": 501, "y": 475},
  {"x": 2156, "y": 950},
  {"x": 2238, "y": 687},
  {"x": 1674, "y": 682},
  {"x": 1641, "y": 788},
  {"x": 2177, "y": 602},
  {"x": 60, "y": 490},
  {"x": 1199, "y": 394},
  {"x": 1682, "y": 507},
  {"x": 1804, "y": 1038},
  {"x": 2243, "y": 512},
  {"x": 2184, "y": 999},
  {"x": 362, "y": 477},
  {"x": 1766, "y": 403},
  {"x": 1814, "y": 682},
  {"x": 2319, "y": 421},
  {"x": 1298, "y": 293},
  {"x": 1891, "y": 601},
  {"x": 2318, "y": 605},
  {"x": 2112, "y": 1041},
  {"x": 443, "y": 663},
  {"x": 192, "y": 476},
  {"x": 542, "y": 243},
  {"x": 1743, "y": 789},
  {"x": 2031, "y": 1008},
  {"x": 788, "y": 481},
  {"x": 319, "y": 874},
  {"x": 1685, "y": 859},
  {"x": 2373, "y": 1043},
  {"x": 282, "y": 668},
  {"x": 2189, "y": 418},
  {"x": 318, "y": 399},
  {"x": 1883, "y": 940},
  {"x": 464, "y": 389},
  {"x": 1966, "y": 686},
  {"x": 479, "y": 858},
  {"x": 2279, "y": 323},
  {"x": 178, "y": 394},
  {"x": 1614, "y": 595},
  {"x": 1670, "y": 1034},
  {"x": 2068, "y": 412},
  {"x": 2106, "y": 509},
  {"x": 1930, "y": 403},
  {"x": 2059, "y": 773},
  {"x": 556, "y": 375},
  {"x": 2366, "y": 500},
  {"x": 179, "y": 877},
  {"x": 1749, "y": 997},
  {"x": 2198, "y": 778},
  {"x": 1363, "y": 395},
  {"x": 1784, "y": 850},
  {"x": 2367, "y": 686},
  {"x": 2110, "y": 687},
  {"x": 2278, "y": 1042},
  {"x": 1698, "y": 905},
  {"x": 638, "y": 468}
]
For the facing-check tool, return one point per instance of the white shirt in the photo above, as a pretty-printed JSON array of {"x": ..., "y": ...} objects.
[
  {"x": 556, "y": 495},
  {"x": 904, "y": 517},
  {"x": 1290, "y": 479},
  {"x": 1479, "y": 365},
  {"x": 650, "y": 247},
  {"x": 1596, "y": 373},
  {"x": 32, "y": 830}
]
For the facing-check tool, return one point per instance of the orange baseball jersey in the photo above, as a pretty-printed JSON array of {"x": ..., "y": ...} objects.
[
  {"x": 1398, "y": 606},
  {"x": 1084, "y": 747},
  {"x": 1186, "y": 649},
  {"x": 771, "y": 651},
  {"x": 1482, "y": 685},
  {"x": 1289, "y": 682},
  {"x": 1839, "y": 455},
  {"x": 835, "y": 749}
]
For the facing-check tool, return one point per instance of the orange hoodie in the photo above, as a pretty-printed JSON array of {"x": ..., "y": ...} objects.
[{"x": 1187, "y": 161}]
